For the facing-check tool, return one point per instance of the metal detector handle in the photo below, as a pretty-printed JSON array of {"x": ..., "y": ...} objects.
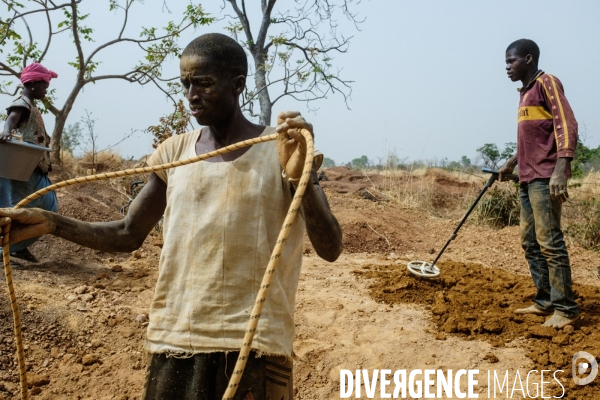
[
  {"x": 495, "y": 174},
  {"x": 489, "y": 183}
]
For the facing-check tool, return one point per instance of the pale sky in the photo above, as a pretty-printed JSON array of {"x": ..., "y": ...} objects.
[{"x": 429, "y": 75}]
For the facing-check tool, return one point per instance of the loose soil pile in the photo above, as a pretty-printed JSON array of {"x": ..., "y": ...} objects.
[{"x": 477, "y": 303}]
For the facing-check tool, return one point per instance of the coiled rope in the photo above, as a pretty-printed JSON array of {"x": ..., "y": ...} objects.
[{"x": 267, "y": 277}]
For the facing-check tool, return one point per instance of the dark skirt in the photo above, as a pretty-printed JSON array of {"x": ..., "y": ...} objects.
[{"x": 12, "y": 192}]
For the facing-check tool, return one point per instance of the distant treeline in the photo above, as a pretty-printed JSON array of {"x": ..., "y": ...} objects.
[{"x": 489, "y": 155}]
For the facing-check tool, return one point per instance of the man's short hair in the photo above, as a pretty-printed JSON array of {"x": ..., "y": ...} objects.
[
  {"x": 222, "y": 50},
  {"x": 525, "y": 47}
]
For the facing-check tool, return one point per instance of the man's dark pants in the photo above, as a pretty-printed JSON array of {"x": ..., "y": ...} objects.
[
  {"x": 545, "y": 249},
  {"x": 205, "y": 376}
]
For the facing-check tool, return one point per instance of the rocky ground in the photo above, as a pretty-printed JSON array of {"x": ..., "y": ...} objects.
[{"x": 84, "y": 312}]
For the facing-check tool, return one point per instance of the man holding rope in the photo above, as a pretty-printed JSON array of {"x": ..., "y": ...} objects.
[
  {"x": 222, "y": 219},
  {"x": 547, "y": 137}
]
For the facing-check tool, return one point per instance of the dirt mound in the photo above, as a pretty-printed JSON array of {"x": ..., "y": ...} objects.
[
  {"x": 445, "y": 178},
  {"x": 478, "y": 303},
  {"x": 345, "y": 180}
]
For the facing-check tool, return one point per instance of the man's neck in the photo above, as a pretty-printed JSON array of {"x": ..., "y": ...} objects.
[
  {"x": 530, "y": 75},
  {"x": 234, "y": 129}
]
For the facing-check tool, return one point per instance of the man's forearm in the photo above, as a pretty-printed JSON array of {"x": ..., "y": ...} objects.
[
  {"x": 561, "y": 166},
  {"x": 322, "y": 227},
  {"x": 104, "y": 236},
  {"x": 512, "y": 162}
]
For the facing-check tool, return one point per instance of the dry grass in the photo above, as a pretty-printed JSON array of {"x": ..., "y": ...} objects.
[
  {"x": 410, "y": 189},
  {"x": 500, "y": 206},
  {"x": 105, "y": 161},
  {"x": 581, "y": 213},
  {"x": 69, "y": 162},
  {"x": 449, "y": 194},
  {"x": 425, "y": 189},
  {"x": 109, "y": 160}
]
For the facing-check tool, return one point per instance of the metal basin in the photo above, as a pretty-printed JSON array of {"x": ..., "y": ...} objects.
[{"x": 19, "y": 159}]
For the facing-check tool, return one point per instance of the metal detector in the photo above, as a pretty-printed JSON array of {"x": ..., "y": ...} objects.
[{"x": 427, "y": 270}]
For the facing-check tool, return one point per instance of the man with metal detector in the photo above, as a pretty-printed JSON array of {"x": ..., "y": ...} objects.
[
  {"x": 546, "y": 141},
  {"x": 222, "y": 218}
]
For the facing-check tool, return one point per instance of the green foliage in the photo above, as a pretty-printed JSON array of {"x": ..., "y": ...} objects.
[
  {"x": 360, "y": 163},
  {"x": 500, "y": 206},
  {"x": 465, "y": 161},
  {"x": 71, "y": 138},
  {"x": 585, "y": 160},
  {"x": 509, "y": 150},
  {"x": 84, "y": 31},
  {"x": 164, "y": 44},
  {"x": 176, "y": 123},
  {"x": 586, "y": 231},
  {"x": 328, "y": 163},
  {"x": 455, "y": 165},
  {"x": 492, "y": 156}
]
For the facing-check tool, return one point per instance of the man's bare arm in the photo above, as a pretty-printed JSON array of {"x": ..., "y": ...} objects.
[
  {"x": 508, "y": 168},
  {"x": 322, "y": 227},
  {"x": 124, "y": 235}
]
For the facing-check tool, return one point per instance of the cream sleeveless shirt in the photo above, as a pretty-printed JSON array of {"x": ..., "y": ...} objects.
[{"x": 221, "y": 223}]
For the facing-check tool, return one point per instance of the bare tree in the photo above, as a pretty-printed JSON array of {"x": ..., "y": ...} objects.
[
  {"x": 156, "y": 45},
  {"x": 90, "y": 140},
  {"x": 293, "y": 50}
]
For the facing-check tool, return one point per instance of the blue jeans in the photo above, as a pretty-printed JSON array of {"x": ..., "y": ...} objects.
[
  {"x": 12, "y": 192},
  {"x": 545, "y": 249}
]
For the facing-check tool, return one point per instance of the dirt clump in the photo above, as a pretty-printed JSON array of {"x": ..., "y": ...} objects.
[{"x": 477, "y": 303}]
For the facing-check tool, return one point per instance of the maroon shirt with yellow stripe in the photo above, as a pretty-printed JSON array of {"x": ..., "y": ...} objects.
[{"x": 547, "y": 128}]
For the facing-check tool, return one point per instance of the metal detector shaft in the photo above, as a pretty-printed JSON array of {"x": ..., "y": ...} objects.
[{"x": 490, "y": 182}]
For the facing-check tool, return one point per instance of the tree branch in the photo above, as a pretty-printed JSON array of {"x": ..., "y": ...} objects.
[
  {"x": 132, "y": 79},
  {"x": 126, "y": 9},
  {"x": 8, "y": 24},
  {"x": 9, "y": 69},
  {"x": 77, "y": 40},
  {"x": 30, "y": 43},
  {"x": 245, "y": 23},
  {"x": 138, "y": 41},
  {"x": 55, "y": 111},
  {"x": 264, "y": 25},
  {"x": 40, "y": 58},
  {"x": 21, "y": 15}
]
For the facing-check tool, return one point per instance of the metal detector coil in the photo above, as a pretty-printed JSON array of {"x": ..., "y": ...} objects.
[
  {"x": 427, "y": 270},
  {"x": 423, "y": 269}
]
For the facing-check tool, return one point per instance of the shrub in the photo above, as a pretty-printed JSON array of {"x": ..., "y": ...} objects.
[
  {"x": 586, "y": 230},
  {"x": 500, "y": 206}
]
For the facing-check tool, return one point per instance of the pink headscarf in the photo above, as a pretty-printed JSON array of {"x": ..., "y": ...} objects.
[{"x": 37, "y": 72}]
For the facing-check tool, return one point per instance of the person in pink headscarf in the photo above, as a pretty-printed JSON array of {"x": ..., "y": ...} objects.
[{"x": 25, "y": 119}]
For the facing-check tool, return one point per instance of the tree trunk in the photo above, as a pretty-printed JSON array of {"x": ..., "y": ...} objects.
[
  {"x": 260, "y": 81},
  {"x": 59, "y": 125},
  {"x": 60, "y": 122}
]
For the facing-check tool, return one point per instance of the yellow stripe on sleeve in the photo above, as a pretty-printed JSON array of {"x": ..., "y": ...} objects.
[
  {"x": 562, "y": 113},
  {"x": 550, "y": 100}
]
